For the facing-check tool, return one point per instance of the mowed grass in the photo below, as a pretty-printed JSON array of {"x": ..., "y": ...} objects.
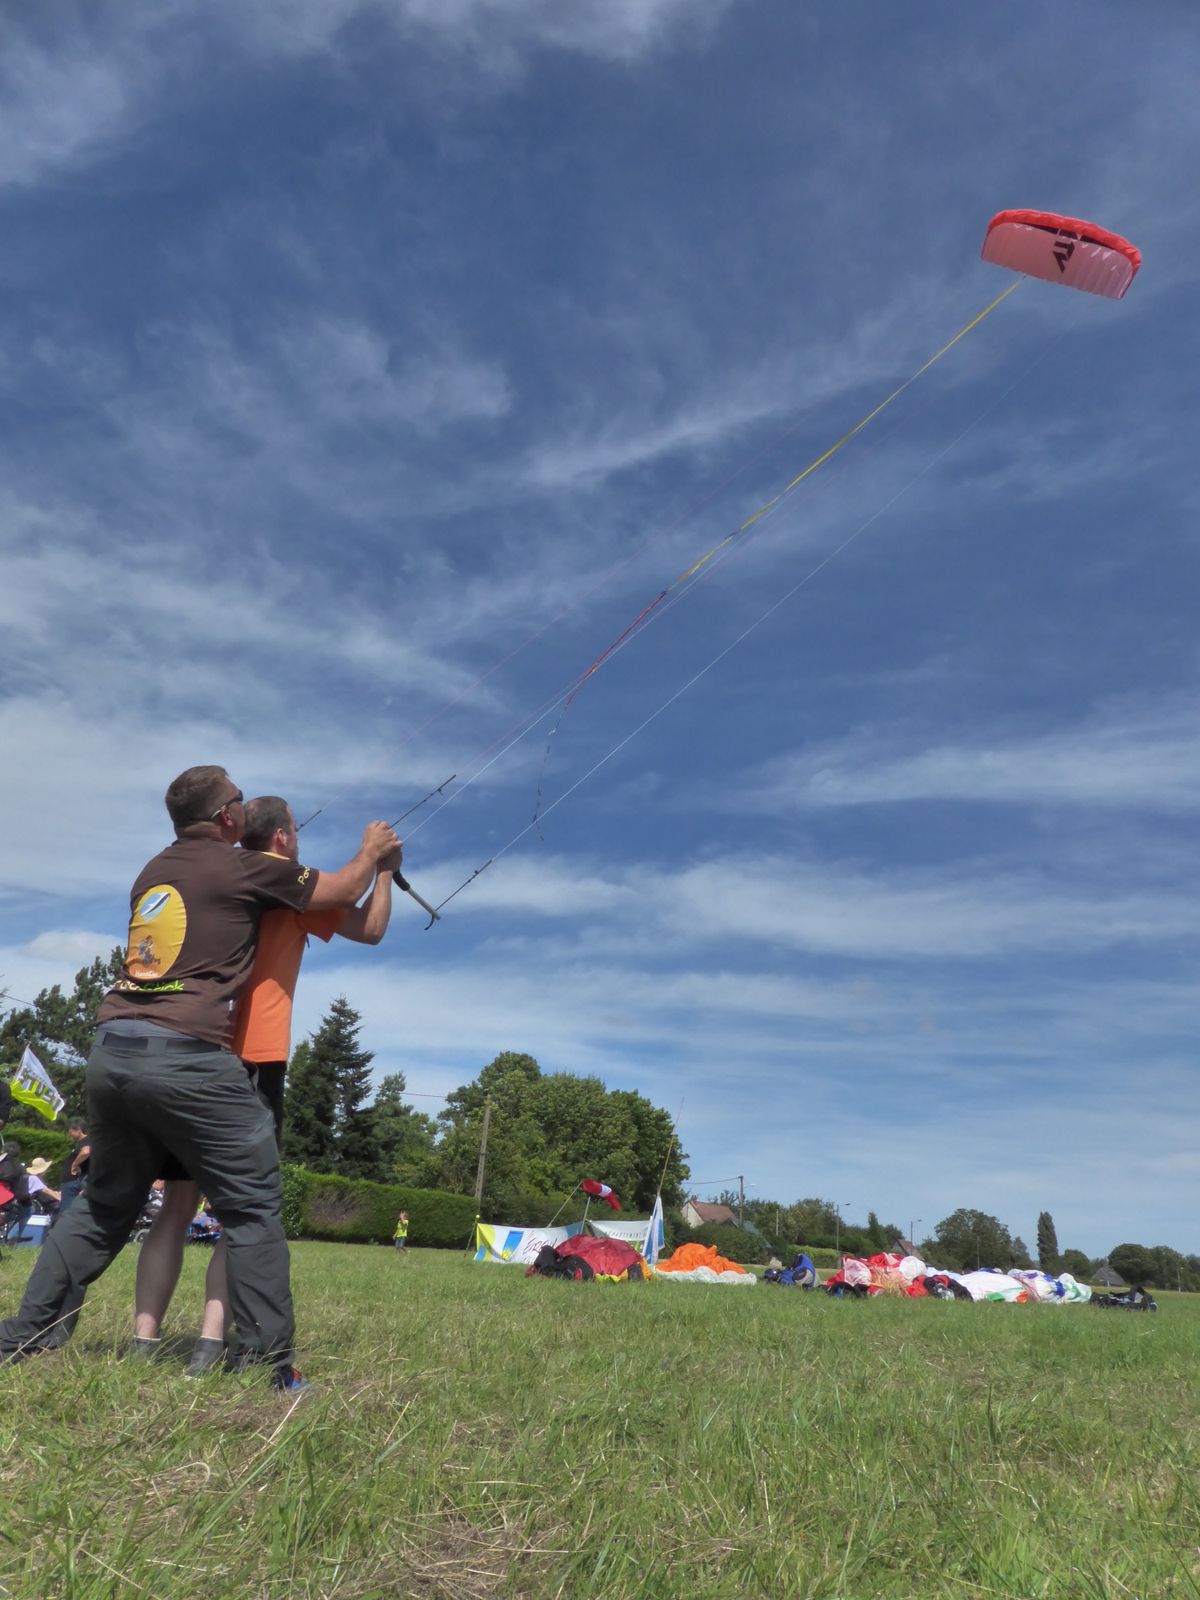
[{"x": 474, "y": 1434}]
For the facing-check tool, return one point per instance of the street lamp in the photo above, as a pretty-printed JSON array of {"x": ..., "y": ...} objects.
[{"x": 912, "y": 1233}]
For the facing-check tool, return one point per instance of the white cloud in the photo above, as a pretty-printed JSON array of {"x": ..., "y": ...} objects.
[
  {"x": 1143, "y": 756},
  {"x": 66, "y": 95},
  {"x": 616, "y": 30},
  {"x": 965, "y": 912},
  {"x": 50, "y": 958},
  {"x": 73, "y": 90}
]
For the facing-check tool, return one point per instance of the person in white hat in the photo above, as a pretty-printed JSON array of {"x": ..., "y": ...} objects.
[{"x": 43, "y": 1196}]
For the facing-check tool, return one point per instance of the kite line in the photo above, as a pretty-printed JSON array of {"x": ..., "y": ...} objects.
[
  {"x": 775, "y": 605},
  {"x": 1058, "y": 249},
  {"x": 678, "y": 590},
  {"x": 768, "y": 506}
]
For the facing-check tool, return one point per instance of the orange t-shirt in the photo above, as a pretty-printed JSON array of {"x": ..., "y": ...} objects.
[{"x": 263, "y": 1031}]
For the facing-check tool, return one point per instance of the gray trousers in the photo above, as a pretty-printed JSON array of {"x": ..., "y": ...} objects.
[{"x": 149, "y": 1098}]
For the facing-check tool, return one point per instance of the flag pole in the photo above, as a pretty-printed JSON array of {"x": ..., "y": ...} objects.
[{"x": 563, "y": 1207}]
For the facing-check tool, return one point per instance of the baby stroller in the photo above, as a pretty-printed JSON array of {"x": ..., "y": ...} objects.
[{"x": 141, "y": 1228}]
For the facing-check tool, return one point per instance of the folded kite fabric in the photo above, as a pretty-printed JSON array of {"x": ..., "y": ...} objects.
[{"x": 692, "y": 1257}]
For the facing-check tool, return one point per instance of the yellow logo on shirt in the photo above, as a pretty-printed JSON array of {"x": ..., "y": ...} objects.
[{"x": 157, "y": 930}]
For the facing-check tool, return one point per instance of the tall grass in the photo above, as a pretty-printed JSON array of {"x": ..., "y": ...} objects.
[{"x": 472, "y": 1433}]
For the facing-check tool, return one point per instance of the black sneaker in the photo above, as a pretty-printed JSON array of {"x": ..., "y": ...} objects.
[
  {"x": 143, "y": 1349},
  {"x": 206, "y": 1354}
]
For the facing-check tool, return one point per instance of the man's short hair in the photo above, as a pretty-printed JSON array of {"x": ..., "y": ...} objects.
[
  {"x": 263, "y": 816},
  {"x": 196, "y": 794}
]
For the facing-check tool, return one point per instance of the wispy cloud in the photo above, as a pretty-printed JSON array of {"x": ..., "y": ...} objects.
[{"x": 1134, "y": 756}]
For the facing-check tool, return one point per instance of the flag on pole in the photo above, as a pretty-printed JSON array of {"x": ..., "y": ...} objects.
[
  {"x": 31, "y": 1085},
  {"x": 655, "y": 1238},
  {"x": 601, "y": 1192}
]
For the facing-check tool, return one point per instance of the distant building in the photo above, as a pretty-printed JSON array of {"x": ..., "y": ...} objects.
[
  {"x": 698, "y": 1212},
  {"x": 1107, "y": 1278}
]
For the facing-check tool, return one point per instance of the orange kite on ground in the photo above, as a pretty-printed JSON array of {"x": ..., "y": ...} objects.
[{"x": 690, "y": 1256}]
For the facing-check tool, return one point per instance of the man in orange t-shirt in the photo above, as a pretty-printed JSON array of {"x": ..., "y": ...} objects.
[
  {"x": 263, "y": 1032},
  {"x": 262, "y": 1038}
]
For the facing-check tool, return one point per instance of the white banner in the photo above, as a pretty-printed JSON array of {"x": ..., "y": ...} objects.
[
  {"x": 518, "y": 1246},
  {"x": 633, "y": 1233},
  {"x": 645, "y": 1236}
]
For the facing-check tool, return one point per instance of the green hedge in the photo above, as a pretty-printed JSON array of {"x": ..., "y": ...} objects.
[
  {"x": 350, "y": 1210},
  {"x": 735, "y": 1244},
  {"x": 47, "y": 1142},
  {"x": 817, "y": 1254}
]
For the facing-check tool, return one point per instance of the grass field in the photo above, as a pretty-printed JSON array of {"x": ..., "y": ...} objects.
[{"x": 474, "y": 1434}]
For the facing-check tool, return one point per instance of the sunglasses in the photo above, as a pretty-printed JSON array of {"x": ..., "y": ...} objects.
[{"x": 234, "y": 800}]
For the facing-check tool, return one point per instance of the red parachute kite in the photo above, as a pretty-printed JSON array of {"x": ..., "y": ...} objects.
[{"x": 1062, "y": 250}]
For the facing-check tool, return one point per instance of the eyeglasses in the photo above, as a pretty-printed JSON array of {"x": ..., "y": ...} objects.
[{"x": 234, "y": 800}]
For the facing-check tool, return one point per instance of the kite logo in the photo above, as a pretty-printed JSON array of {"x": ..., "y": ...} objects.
[
  {"x": 1064, "y": 249},
  {"x": 156, "y": 933}
]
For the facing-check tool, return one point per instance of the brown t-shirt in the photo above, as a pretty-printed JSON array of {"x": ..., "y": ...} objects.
[{"x": 193, "y": 926}]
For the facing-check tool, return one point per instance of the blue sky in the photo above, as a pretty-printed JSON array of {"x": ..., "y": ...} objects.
[{"x": 367, "y": 367}]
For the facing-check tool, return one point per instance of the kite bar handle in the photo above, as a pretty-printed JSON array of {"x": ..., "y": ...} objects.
[{"x": 402, "y": 882}]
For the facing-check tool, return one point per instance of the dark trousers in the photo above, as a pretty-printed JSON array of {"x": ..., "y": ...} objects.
[
  {"x": 268, "y": 1080},
  {"x": 69, "y": 1191},
  {"x": 147, "y": 1099}
]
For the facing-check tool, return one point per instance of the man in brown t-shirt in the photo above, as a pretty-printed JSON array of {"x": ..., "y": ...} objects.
[{"x": 162, "y": 1082}]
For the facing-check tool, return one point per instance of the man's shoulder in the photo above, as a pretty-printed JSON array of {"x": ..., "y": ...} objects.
[
  {"x": 183, "y": 856},
  {"x": 260, "y": 866}
]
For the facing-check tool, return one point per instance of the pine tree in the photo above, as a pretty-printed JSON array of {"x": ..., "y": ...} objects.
[
  {"x": 310, "y": 1110},
  {"x": 405, "y": 1137},
  {"x": 356, "y": 1148},
  {"x": 875, "y": 1232},
  {"x": 1049, "y": 1257}
]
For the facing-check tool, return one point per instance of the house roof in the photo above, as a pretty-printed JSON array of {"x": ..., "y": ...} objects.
[
  {"x": 708, "y": 1212},
  {"x": 1109, "y": 1278}
]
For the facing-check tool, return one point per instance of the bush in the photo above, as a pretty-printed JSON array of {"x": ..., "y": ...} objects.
[
  {"x": 47, "y": 1142},
  {"x": 352, "y": 1210},
  {"x": 820, "y": 1255},
  {"x": 849, "y": 1243},
  {"x": 528, "y": 1209},
  {"x": 735, "y": 1244}
]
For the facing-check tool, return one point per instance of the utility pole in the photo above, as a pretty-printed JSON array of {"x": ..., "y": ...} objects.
[
  {"x": 487, "y": 1117},
  {"x": 912, "y": 1239},
  {"x": 837, "y": 1229},
  {"x": 741, "y": 1197}
]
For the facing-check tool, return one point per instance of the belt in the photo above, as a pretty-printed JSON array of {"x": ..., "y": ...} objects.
[{"x": 141, "y": 1041}]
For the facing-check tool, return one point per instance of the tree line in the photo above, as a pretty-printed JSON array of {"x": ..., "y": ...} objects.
[{"x": 545, "y": 1132}]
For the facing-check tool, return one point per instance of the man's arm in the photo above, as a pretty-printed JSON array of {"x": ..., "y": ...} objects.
[
  {"x": 84, "y": 1154},
  {"x": 348, "y": 884},
  {"x": 367, "y": 923}
]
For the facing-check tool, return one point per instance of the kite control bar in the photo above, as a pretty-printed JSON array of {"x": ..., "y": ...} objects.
[
  {"x": 398, "y": 877},
  {"x": 402, "y": 882}
]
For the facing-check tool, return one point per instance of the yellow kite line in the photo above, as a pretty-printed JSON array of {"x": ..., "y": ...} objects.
[{"x": 846, "y": 437}]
